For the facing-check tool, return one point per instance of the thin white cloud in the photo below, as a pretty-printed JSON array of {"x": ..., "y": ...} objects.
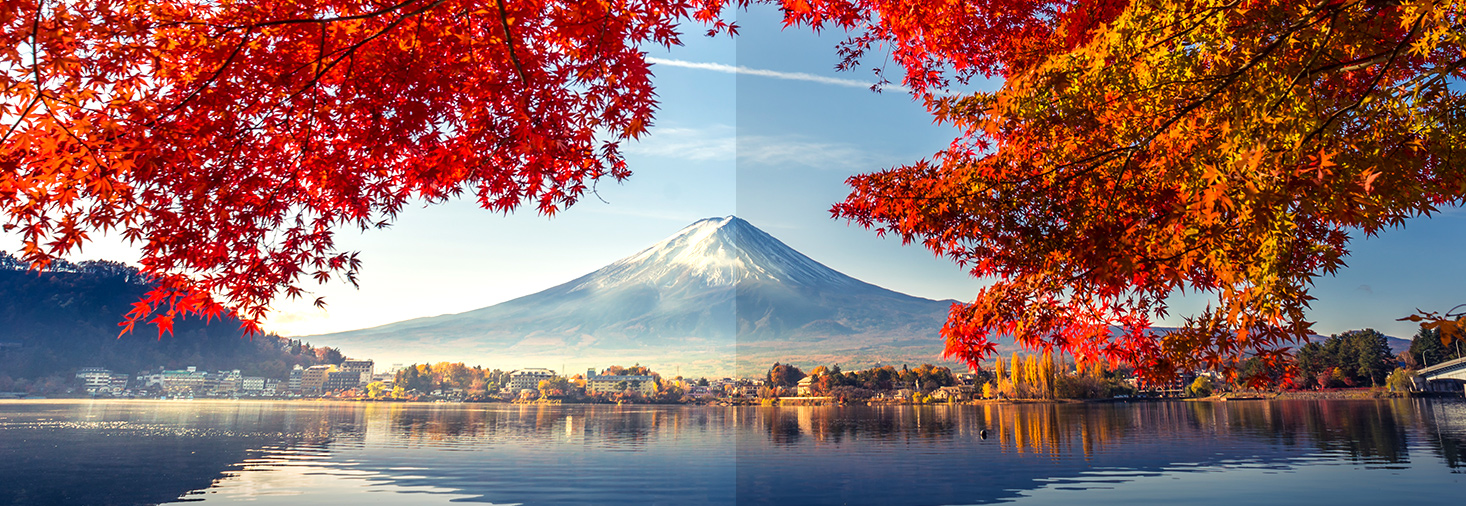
[
  {"x": 698, "y": 144},
  {"x": 722, "y": 143},
  {"x": 775, "y": 151},
  {"x": 779, "y": 151},
  {"x": 792, "y": 76}
]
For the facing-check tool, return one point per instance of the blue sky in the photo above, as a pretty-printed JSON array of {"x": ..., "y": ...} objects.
[{"x": 772, "y": 144}]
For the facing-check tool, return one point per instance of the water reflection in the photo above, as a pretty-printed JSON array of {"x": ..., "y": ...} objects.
[
  {"x": 1360, "y": 431},
  {"x": 856, "y": 454},
  {"x": 301, "y": 453}
]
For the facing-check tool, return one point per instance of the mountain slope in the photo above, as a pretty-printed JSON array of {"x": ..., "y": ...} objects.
[
  {"x": 716, "y": 296},
  {"x": 53, "y": 322}
]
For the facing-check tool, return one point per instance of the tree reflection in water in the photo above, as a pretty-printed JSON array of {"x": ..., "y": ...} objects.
[
  {"x": 853, "y": 455},
  {"x": 1361, "y": 431}
]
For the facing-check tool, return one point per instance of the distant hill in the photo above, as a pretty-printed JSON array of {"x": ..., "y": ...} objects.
[
  {"x": 718, "y": 297},
  {"x": 53, "y": 322}
]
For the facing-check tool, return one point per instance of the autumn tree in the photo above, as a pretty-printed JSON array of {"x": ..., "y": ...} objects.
[
  {"x": 554, "y": 387},
  {"x": 1139, "y": 149},
  {"x": 376, "y": 389},
  {"x": 1200, "y": 387},
  {"x": 1046, "y": 373},
  {"x": 784, "y": 375},
  {"x": 230, "y": 140},
  {"x": 1001, "y": 377},
  {"x": 1016, "y": 374}
]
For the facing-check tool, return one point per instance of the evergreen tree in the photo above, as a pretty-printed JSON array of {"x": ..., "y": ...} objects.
[
  {"x": 1370, "y": 354},
  {"x": 1427, "y": 348}
]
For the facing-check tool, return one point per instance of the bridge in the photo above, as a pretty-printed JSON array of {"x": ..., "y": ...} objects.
[{"x": 1448, "y": 376}]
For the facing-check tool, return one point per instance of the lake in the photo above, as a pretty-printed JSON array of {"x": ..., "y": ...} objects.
[{"x": 303, "y": 453}]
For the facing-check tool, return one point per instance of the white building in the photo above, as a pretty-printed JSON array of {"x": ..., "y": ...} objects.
[
  {"x": 252, "y": 384},
  {"x": 98, "y": 380},
  {"x": 296, "y": 375},
  {"x": 187, "y": 380},
  {"x": 227, "y": 381},
  {"x": 528, "y": 379},
  {"x": 94, "y": 378}
]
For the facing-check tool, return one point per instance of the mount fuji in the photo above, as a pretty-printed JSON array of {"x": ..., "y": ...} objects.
[{"x": 719, "y": 297}]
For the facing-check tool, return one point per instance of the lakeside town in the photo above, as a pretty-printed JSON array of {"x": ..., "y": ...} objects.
[{"x": 1357, "y": 362}]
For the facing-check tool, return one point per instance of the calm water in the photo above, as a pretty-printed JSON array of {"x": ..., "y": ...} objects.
[{"x": 263, "y": 453}]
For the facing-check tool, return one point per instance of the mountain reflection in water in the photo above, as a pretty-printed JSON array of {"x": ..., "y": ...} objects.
[{"x": 124, "y": 452}]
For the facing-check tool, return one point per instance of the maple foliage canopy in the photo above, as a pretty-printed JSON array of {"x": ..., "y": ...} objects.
[
  {"x": 230, "y": 138},
  {"x": 1137, "y": 150}
]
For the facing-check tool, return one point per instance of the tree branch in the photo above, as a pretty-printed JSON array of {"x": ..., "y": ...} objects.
[{"x": 509, "y": 41}]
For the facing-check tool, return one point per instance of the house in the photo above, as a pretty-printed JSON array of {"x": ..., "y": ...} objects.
[
  {"x": 805, "y": 387},
  {"x": 954, "y": 393}
]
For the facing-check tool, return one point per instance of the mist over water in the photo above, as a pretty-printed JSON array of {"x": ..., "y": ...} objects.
[{"x": 1280, "y": 452}]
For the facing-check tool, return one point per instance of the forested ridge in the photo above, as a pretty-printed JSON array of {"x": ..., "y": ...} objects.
[{"x": 66, "y": 317}]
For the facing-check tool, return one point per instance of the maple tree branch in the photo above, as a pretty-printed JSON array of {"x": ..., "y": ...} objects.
[
  {"x": 1373, "y": 85},
  {"x": 1333, "y": 22},
  {"x": 1441, "y": 74},
  {"x": 351, "y": 51},
  {"x": 1227, "y": 81},
  {"x": 50, "y": 111},
  {"x": 35, "y": 69},
  {"x": 250, "y": 31},
  {"x": 509, "y": 41},
  {"x": 1354, "y": 64},
  {"x": 1231, "y": 79},
  {"x": 295, "y": 21},
  {"x": 217, "y": 72},
  {"x": 1210, "y": 12}
]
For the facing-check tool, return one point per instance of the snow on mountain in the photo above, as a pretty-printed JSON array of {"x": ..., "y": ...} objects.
[
  {"x": 718, "y": 252},
  {"x": 718, "y": 297}
]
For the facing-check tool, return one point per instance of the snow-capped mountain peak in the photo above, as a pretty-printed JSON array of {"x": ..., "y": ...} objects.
[{"x": 717, "y": 252}]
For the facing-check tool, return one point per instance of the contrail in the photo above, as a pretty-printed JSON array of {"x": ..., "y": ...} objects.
[{"x": 793, "y": 76}]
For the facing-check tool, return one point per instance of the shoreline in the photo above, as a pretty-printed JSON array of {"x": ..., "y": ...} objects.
[{"x": 1325, "y": 395}]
